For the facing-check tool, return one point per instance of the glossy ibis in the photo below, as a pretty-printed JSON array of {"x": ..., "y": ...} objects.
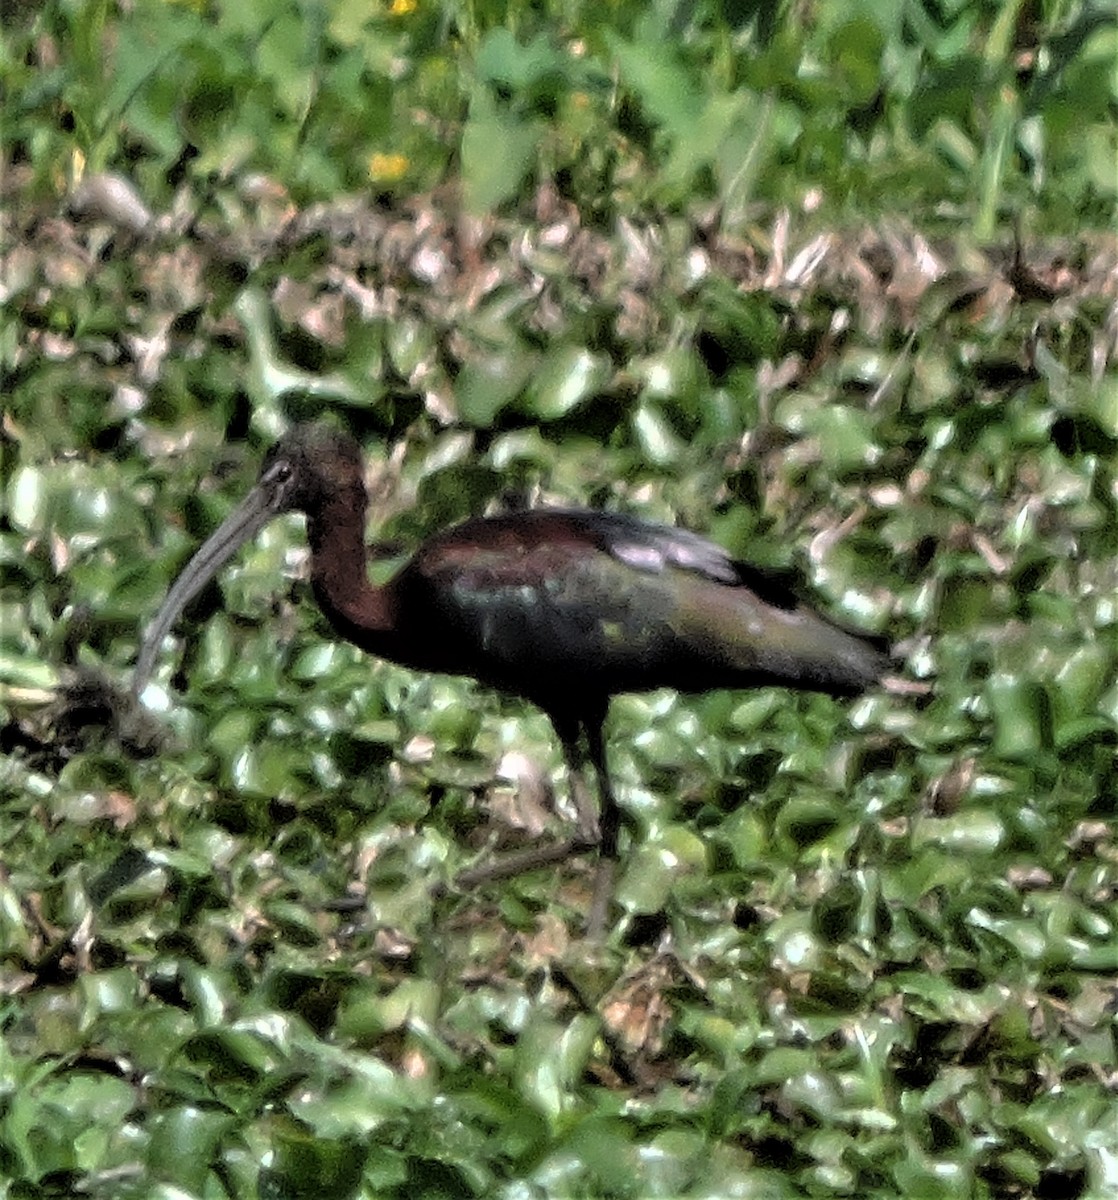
[{"x": 563, "y": 607}]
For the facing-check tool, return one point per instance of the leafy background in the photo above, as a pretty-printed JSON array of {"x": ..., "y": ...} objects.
[{"x": 837, "y": 288}]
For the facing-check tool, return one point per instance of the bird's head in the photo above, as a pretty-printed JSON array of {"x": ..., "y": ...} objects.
[{"x": 309, "y": 466}]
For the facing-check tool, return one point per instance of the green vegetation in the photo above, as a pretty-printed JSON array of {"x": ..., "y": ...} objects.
[{"x": 835, "y": 284}]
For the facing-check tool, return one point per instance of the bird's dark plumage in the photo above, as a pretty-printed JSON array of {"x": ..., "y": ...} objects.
[
  {"x": 556, "y": 604},
  {"x": 564, "y": 607}
]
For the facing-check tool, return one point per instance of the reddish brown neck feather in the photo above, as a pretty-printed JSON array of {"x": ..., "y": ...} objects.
[{"x": 339, "y": 566}]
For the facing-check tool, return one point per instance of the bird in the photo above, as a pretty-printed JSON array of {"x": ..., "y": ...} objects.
[{"x": 564, "y": 607}]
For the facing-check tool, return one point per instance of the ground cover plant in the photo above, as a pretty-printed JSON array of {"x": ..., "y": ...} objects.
[{"x": 836, "y": 288}]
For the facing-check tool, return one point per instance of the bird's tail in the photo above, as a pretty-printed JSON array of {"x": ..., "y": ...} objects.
[
  {"x": 816, "y": 654},
  {"x": 786, "y": 644}
]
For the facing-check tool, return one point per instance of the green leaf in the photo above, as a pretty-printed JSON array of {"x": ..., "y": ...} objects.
[
  {"x": 498, "y": 150},
  {"x": 28, "y": 495},
  {"x": 501, "y": 59},
  {"x": 306, "y": 1166},
  {"x": 488, "y": 384},
  {"x": 566, "y": 379},
  {"x": 974, "y": 831},
  {"x": 655, "y": 436},
  {"x": 183, "y": 1144},
  {"x": 1022, "y": 716},
  {"x": 653, "y": 70}
]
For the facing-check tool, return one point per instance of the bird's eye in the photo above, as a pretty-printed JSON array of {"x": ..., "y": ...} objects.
[{"x": 279, "y": 472}]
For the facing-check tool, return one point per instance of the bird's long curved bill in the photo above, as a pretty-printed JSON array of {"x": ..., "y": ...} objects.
[{"x": 242, "y": 524}]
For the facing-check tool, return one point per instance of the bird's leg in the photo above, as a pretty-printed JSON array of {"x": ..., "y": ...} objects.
[
  {"x": 609, "y": 827},
  {"x": 532, "y": 857},
  {"x": 585, "y": 816}
]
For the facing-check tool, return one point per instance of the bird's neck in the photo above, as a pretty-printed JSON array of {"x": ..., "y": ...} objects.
[{"x": 336, "y": 532}]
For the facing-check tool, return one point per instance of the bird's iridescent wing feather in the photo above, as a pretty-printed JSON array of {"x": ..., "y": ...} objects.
[{"x": 611, "y": 603}]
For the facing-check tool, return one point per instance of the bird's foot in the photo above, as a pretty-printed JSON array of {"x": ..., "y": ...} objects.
[{"x": 520, "y": 861}]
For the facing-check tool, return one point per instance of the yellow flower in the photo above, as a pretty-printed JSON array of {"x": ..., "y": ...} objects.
[
  {"x": 387, "y": 168},
  {"x": 401, "y": 8}
]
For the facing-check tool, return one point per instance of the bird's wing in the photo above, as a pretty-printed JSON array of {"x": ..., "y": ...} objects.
[
  {"x": 648, "y": 547},
  {"x": 542, "y": 545},
  {"x": 544, "y": 593},
  {"x": 621, "y": 605},
  {"x": 655, "y": 548}
]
